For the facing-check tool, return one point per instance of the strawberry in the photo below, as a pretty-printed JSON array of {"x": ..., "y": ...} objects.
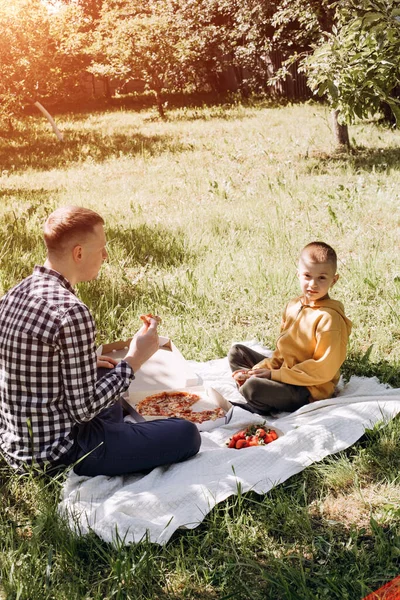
[
  {"x": 253, "y": 438},
  {"x": 241, "y": 444},
  {"x": 253, "y": 435}
]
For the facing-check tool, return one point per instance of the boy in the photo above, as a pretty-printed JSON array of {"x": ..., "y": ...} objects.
[{"x": 310, "y": 349}]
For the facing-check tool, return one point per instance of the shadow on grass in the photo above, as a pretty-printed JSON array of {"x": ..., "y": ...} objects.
[
  {"x": 145, "y": 102},
  {"x": 359, "y": 364},
  {"x": 325, "y": 569},
  {"x": 41, "y": 201},
  {"x": 134, "y": 277},
  {"x": 145, "y": 244},
  {"x": 42, "y": 151},
  {"x": 21, "y": 239},
  {"x": 309, "y": 557},
  {"x": 379, "y": 160}
]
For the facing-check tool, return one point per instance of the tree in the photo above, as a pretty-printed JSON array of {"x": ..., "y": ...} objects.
[
  {"x": 71, "y": 26},
  {"x": 140, "y": 40},
  {"x": 357, "y": 67},
  {"x": 26, "y": 54},
  {"x": 181, "y": 44},
  {"x": 300, "y": 23},
  {"x": 349, "y": 51},
  {"x": 35, "y": 62},
  {"x": 301, "y": 26}
]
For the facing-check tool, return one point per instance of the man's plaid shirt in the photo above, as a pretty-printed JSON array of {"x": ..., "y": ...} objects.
[{"x": 48, "y": 370}]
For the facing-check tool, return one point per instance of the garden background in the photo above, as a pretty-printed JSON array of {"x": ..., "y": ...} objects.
[{"x": 206, "y": 211}]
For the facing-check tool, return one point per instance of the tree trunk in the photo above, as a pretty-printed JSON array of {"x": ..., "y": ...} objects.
[
  {"x": 160, "y": 105},
  {"x": 107, "y": 88},
  {"x": 340, "y": 132}
]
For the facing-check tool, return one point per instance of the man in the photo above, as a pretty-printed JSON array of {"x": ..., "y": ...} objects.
[{"x": 54, "y": 410}]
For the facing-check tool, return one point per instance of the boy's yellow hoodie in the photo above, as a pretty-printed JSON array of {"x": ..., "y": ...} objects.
[{"x": 311, "y": 347}]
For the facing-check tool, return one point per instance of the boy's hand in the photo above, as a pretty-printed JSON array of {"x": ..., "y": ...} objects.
[
  {"x": 263, "y": 373},
  {"x": 240, "y": 376}
]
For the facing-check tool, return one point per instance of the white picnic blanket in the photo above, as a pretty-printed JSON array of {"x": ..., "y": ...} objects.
[{"x": 153, "y": 506}]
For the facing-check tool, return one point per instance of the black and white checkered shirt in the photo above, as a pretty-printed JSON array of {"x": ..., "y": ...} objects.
[{"x": 48, "y": 370}]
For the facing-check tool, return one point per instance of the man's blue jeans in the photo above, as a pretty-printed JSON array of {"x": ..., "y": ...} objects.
[{"x": 112, "y": 447}]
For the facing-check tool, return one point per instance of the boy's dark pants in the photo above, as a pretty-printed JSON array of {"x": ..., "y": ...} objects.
[{"x": 265, "y": 395}]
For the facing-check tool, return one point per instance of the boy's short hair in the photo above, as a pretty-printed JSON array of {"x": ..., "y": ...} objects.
[
  {"x": 67, "y": 224},
  {"x": 320, "y": 252}
]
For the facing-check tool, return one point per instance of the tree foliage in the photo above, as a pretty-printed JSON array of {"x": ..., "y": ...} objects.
[
  {"x": 232, "y": 34},
  {"x": 136, "y": 40},
  {"x": 41, "y": 55},
  {"x": 26, "y": 53},
  {"x": 177, "y": 44},
  {"x": 298, "y": 24},
  {"x": 357, "y": 66},
  {"x": 349, "y": 50}
]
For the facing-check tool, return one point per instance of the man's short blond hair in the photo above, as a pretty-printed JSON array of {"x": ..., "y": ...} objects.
[
  {"x": 319, "y": 252},
  {"x": 69, "y": 224}
]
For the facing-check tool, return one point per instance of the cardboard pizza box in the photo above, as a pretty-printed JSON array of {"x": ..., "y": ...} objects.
[
  {"x": 165, "y": 370},
  {"x": 209, "y": 399}
]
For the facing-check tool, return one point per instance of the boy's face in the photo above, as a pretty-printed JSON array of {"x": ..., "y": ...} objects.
[{"x": 315, "y": 279}]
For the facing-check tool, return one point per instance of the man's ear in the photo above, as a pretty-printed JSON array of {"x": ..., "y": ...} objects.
[
  {"x": 77, "y": 253},
  {"x": 335, "y": 279}
]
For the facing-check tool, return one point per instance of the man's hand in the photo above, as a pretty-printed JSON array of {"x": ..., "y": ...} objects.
[
  {"x": 106, "y": 361},
  {"x": 143, "y": 345},
  {"x": 263, "y": 373}
]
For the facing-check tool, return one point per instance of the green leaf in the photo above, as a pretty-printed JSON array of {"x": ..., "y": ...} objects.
[
  {"x": 396, "y": 112},
  {"x": 371, "y": 17},
  {"x": 333, "y": 91},
  {"x": 367, "y": 354}
]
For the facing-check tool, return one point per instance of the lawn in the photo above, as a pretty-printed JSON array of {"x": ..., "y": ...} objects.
[{"x": 206, "y": 214}]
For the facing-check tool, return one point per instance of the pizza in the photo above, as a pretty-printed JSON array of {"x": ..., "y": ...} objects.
[
  {"x": 177, "y": 404},
  {"x": 146, "y": 318}
]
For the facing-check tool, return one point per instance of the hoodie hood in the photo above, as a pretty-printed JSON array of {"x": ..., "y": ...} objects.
[{"x": 333, "y": 305}]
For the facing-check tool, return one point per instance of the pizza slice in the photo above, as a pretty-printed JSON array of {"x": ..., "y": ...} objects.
[
  {"x": 146, "y": 318},
  {"x": 205, "y": 415},
  {"x": 177, "y": 404}
]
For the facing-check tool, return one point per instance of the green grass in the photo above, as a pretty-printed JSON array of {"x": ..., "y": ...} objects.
[{"x": 206, "y": 214}]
